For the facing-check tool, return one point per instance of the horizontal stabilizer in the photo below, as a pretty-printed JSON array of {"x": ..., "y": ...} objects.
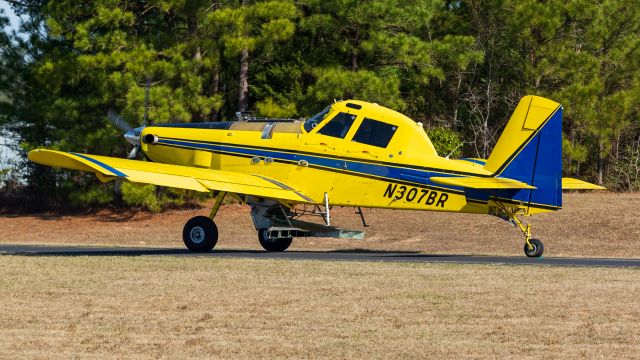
[
  {"x": 474, "y": 182},
  {"x": 176, "y": 176},
  {"x": 575, "y": 184}
]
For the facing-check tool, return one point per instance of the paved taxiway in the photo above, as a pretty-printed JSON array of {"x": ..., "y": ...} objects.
[{"x": 338, "y": 255}]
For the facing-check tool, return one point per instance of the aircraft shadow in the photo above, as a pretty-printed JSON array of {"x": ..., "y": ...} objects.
[{"x": 331, "y": 255}]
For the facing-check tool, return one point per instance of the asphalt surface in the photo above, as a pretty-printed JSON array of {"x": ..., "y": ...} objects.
[{"x": 337, "y": 255}]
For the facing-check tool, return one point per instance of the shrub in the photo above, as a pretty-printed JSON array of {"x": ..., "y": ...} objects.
[
  {"x": 97, "y": 195},
  {"x": 155, "y": 198},
  {"x": 144, "y": 196},
  {"x": 446, "y": 141}
]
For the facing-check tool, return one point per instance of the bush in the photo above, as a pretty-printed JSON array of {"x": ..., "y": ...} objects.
[
  {"x": 624, "y": 172},
  {"x": 271, "y": 108},
  {"x": 446, "y": 141},
  {"x": 97, "y": 195},
  {"x": 143, "y": 196},
  {"x": 155, "y": 199},
  {"x": 8, "y": 180}
]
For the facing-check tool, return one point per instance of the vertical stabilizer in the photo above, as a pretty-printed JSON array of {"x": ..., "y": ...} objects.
[
  {"x": 530, "y": 114},
  {"x": 530, "y": 150}
]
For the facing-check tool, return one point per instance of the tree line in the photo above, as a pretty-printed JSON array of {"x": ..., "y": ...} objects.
[{"x": 459, "y": 67}]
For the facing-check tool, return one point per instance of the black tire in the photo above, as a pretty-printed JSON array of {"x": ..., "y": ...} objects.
[
  {"x": 273, "y": 245},
  {"x": 538, "y": 248},
  {"x": 200, "y": 234}
]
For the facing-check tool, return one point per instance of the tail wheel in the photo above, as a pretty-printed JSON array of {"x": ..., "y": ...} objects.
[
  {"x": 535, "y": 250},
  {"x": 273, "y": 244},
  {"x": 200, "y": 234}
]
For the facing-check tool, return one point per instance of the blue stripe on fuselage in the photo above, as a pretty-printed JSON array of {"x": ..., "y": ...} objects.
[{"x": 390, "y": 173}]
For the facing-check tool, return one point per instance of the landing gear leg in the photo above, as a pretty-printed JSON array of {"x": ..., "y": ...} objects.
[
  {"x": 216, "y": 205},
  {"x": 532, "y": 247},
  {"x": 200, "y": 233}
]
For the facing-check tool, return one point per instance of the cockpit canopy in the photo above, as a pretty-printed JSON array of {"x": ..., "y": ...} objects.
[
  {"x": 370, "y": 124},
  {"x": 313, "y": 121}
]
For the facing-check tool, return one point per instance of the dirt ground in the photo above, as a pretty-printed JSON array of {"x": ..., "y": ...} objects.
[
  {"x": 597, "y": 224},
  {"x": 168, "y": 307}
]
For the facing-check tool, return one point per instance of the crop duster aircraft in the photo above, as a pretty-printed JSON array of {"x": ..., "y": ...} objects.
[{"x": 353, "y": 153}]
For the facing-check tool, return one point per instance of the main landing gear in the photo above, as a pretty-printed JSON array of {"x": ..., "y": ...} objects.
[
  {"x": 273, "y": 223},
  {"x": 200, "y": 233},
  {"x": 273, "y": 240},
  {"x": 533, "y": 248},
  {"x": 276, "y": 223}
]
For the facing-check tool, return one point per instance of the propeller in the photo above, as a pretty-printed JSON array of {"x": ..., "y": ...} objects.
[
  {"x": 131, "y": 134},
  {"x": 118, "y": 121},
  {"x": 134, "y": 152}
]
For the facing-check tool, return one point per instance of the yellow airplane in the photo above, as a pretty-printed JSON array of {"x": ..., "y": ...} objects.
[{"x": 352, "y": 153}]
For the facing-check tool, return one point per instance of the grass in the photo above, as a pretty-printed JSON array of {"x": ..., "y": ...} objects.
[
  {"x": 170, "y": 307},
  {"x": 165, "y": 307}
]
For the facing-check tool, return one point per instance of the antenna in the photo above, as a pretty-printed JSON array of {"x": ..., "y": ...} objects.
[
  {"x": 146, "y": 102},
  {"x": 454, "y": 150}
]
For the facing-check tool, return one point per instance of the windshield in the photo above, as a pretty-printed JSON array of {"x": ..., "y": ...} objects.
[{"x": 313, "y": 121}]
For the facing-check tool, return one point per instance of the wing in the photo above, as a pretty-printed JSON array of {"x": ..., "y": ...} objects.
[
  {"x": 177, "y": 176},
  {"x": 575, "y": 184},
  {"x": 474, "y": 182}
]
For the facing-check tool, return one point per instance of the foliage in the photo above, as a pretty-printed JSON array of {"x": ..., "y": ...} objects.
[
  {"x": 269, "y": 107},
  {"x": 94, "y": 196},
  {"x": 143, "y": 196},
  {"x": 457, "y": 66},
  {"x": 446, "y": 141},
  {"x": 625, "y": 170},
  {"x": 156, "y": 199}
]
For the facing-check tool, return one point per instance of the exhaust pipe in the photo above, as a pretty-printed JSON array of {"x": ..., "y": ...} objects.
[{"x": 150, "y": 139}]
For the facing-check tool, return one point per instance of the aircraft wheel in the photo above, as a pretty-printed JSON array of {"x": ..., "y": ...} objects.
[
  {"x": 275, "y": 245},
  {"x": 200, "y": 234},
  {"x": 536, "y": 251}
]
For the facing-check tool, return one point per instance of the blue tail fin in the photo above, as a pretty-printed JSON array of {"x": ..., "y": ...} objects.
[{"x": 530, "y": 150}]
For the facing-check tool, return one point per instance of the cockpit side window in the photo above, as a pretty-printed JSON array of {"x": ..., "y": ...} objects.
[
  {"x": 375, "y": 133},
  {"x": 313, "y": 121},
  {"x": 338, "y": 126}
]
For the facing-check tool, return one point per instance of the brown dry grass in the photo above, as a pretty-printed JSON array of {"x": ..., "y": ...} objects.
[
  {"x": 164, "y": 307},
  {"x": 591, "y": 224}
]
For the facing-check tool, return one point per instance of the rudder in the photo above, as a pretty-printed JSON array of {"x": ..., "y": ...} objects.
[{"x": 530, "y": 150}]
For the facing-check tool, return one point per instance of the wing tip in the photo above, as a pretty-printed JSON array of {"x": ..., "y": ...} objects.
[
  {"x": 72, "y": 161},
  {"x": 577, "y": 184}
]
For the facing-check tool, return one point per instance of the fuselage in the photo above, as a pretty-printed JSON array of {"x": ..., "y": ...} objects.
[{"x": 359, "y": 153}]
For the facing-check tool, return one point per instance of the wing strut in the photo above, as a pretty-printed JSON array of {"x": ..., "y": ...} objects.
[{"x": 217, "y": 203}]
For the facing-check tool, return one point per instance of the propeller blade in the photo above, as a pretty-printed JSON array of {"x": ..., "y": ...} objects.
[
  {"x": 133, "y": 153},
  {"x": 119, "y": 122}
]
